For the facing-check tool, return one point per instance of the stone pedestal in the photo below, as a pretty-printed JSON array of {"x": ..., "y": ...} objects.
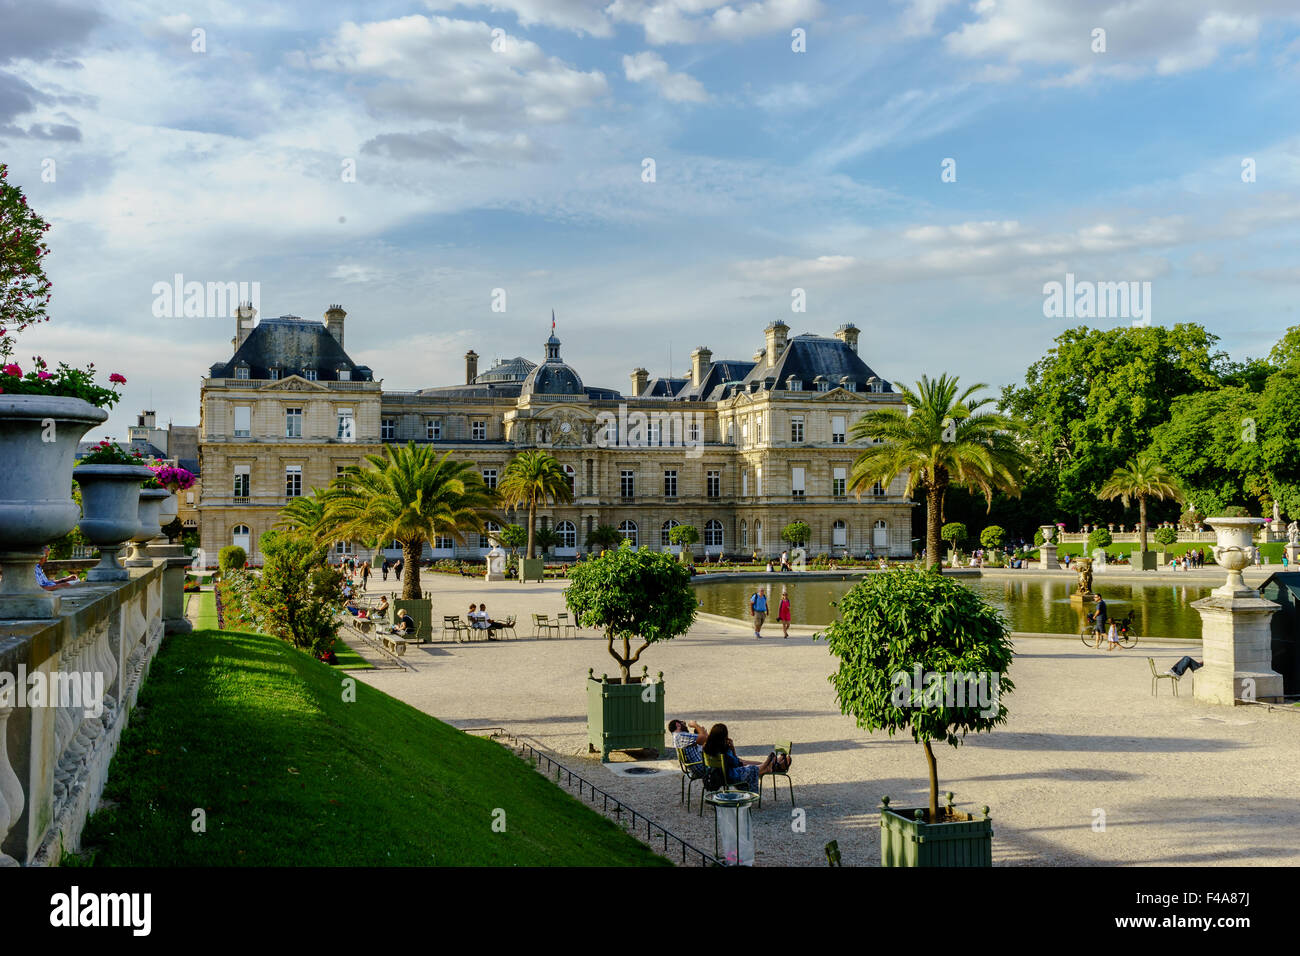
[
  {"x": 1047, "y": 557},
  {"x": 173, "y": 588},
  {"x": 1238, "y": 648},
  {"x": 21, "y": 598},
  {"x": 1293, "y": 553},
  {"x": 1080, "y": 599}
]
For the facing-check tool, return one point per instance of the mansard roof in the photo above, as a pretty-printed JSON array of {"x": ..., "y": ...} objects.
[
  {"x": 292, "y": 345},
  {"x": 715, "y": 382},
  {"x": 807, "y": 357}
]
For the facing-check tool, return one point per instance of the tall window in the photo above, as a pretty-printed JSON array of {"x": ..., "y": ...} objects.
[
  {"x": 443, "y": 542},
  {"x": 796, "y": 428},
  {"x": 568, "y": 535},
  {"x": 490, "y": 478},
  {"x": 664, "y": 540},
  {"x": 744, "y": 433},
  {"x": 293, "y": 423},
  {"x": 797, "y": 482},
  {"x": 243, "y": 421},
  {"x": 627, "y": 480},
  {"x": 628, "y": 531},
  {"x": 713, "y": 484},
  {"x": 654, "y": 433},
  {"x": 242, "y": 481},
  {"x": 693, "y": 434},
  {"x": 839, "y": 481},
  {"x": 713, "y": 533},
  {"x": 670, "y": 484},
  {"x": 758, "y": 428},
  {"x": 387, "y": 428},
  {"x": 837, "y": 429},
  {"x": 292, "y": 481},
  {"x": 731, "y": 433},
  {"x": 744, "y": 482},
  {"x": 823, "y": 386},
  {"x": 241, "y": 537},
  {"x": 758, "y": 534},
  {"x": 433, "y": 429},
  {"x": 839, "y": 534},
  {"x": 347, "y": 425},
  {"x": 878, "y": 490},
  {"x": 478, "y": 430},
  {"x": 758, "y": 481},
  {"x": 571, "y": 477},
  {"x": 744, "y": 534}
]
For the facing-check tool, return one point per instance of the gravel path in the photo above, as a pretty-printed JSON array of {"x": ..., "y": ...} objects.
[{"x": 1174, "y": 781}]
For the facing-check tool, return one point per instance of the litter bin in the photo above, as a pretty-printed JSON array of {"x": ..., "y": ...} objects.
[{"x": 733, "y": 830}]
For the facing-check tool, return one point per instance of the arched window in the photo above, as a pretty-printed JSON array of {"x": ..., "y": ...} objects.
[
  {"x": 628, "y": 531},
  {"x": 744, "y": 533},
  {"x": 663, "y": 532},
  {"x": 880, "y": 536},
  {"x": 241, "y": 537},
  {"x": 713, "y": 533},
  {"x": 840, "y": 534},
  {"x": 568, "y": 536}
]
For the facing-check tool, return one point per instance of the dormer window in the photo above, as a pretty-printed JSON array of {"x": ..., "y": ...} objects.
[
  {"x": 241, "y": 371},
  {"x": 822, "y": 384},
  {"x": 275, "y": 372},
  {"x": 345, "y": 375},
  {"x": 848, "y": 384},
  {"x": 309, "y": 374},
  {"x": 794, "y": 384}
]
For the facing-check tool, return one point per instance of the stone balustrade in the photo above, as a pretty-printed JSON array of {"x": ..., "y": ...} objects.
[{"x": 90, "y": 662}]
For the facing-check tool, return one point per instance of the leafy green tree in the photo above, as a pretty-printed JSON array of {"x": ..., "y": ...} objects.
[
  {"x": 305, "y": 514},
  {"x": 796, "y": 533},
  {"x": 1099, "y": 394},
  {"x": 1143, "y": 478},
  {"x": 1099, "y": 538},
  {"x": 534, "y": 478},
  {"x": 513, "y": 536},
  {"x": 603, "y": 536},
  {"x": 632, "y": 594},
  {"x": 947, "y": 439},
  {"x": 993, "y": 536},
  {"x": 545, "y": 539},
  {"x": 954, "y": 532},
  {"x": 230, "y": 557},
  {"x": 299, "y": 595},
  {"x": 24, "y": 287},
  {"x": 1213, "y": 444},
  {"x": 895, "y": 625},
  {"x": 409, "y": 495},
  {"x": 1165, "y": 537},
  {"x": 1277, "y": 429},
  {"x": 685, "y": 536}
]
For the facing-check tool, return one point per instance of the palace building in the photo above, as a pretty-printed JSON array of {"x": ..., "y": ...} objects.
[{"x": 739, "y": 448}]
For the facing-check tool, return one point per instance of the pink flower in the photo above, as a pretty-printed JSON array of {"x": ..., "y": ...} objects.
[
  {"x": 120, "y": 380},
  {"x": 12, "y": 369},
  {"x": 43, "y": 375}
]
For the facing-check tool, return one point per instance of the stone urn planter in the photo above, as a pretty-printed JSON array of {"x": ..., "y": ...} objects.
[
  {"x": 110, "y": 513},
  {"x": 168, "y": 509},
  {"x": 151, "y": 500},
  {"x": 38, "y": 447},
  {"x": 958, "y": 839},
  {"x": 1234, "y": 551},
  {"x": 625, "y": 716}
]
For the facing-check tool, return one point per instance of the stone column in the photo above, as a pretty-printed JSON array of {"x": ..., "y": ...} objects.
[
  {"x": 173, "y": 585},
  {"x": 1238, "y": 642}
]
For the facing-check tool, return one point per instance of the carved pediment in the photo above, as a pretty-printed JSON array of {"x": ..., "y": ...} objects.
[{"x": 294, "y": 383}]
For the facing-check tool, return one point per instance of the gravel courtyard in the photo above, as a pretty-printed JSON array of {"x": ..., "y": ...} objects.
[{"x": 1090, "y": 769}]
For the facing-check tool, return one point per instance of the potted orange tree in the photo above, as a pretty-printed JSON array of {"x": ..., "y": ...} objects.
[
  {"x": 633, "y": 596},
  {"x": 920, "y": 653}
]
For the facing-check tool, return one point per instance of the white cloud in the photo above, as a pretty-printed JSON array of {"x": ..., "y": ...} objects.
[
  {"x": 648, "y": 67},
  {"x": 579, "y": 16},
  {"x": 702, "y": 21}
]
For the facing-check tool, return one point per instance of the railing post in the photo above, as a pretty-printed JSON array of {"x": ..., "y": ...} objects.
[{"x": 11, "y": 790}]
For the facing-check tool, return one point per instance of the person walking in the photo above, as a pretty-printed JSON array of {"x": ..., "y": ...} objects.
[
  {"x": 397, "y": 568},
  {"x": 758, "y": 608},
  {"x": 383, "y": 568},
  {"x": 365, "y": 575},
  {"x": 783, "y": 612}
]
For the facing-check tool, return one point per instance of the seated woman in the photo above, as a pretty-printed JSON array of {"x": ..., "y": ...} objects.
[
  {"x": 381, "y": 609},
  {"x": 740, "y": 773}
]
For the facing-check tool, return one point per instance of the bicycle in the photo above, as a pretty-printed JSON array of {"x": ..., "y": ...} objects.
[{"x": 1127, "y": 633}]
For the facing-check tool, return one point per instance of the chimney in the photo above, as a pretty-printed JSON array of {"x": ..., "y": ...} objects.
[
  {"x": 701, "y": 362},
  {"x": 848, "y": 334},
  {"x": 148, "y": 419},
  {"x": 334, "y": 317},
  {"x": 471, "y": 367},
  {"x": 775, "y": 334},
  {"x": 245, "y": 316},
  {"x": 759, "y": 356},
  {"x": 640, "y": 378}
]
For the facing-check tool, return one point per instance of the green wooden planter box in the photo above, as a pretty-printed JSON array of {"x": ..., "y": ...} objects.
[
  {"x": 906, "y": 840},
  {"x": 1146, "y": 560},
  {"x": 620, "y": 718},
  {"x": 531, "y": 569}
]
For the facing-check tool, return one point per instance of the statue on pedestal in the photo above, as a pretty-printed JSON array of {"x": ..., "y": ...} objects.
[
  {"x": 1293, "y": 534},
  {"x": 1085, "y": 577},
  {"x": 496, "y": 565}
]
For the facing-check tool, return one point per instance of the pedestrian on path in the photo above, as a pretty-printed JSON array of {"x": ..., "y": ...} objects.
[
  {"x": 783, "y": 612},
  {"x": 758, "y": 608}
]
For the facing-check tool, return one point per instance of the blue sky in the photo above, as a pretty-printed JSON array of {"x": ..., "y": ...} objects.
[{"x": 520, "y": 168}]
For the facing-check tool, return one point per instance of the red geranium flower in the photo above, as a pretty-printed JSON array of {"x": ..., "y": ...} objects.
[
  {"x": 12, "y": 369},
  {"x": 117, "y": 378}
]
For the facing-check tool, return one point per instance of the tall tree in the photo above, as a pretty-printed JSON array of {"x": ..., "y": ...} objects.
[
  {"x": 1143, "y": 478},
  {"x": 305, "y": 514},
  {"x": 533, "y": 478},
  {"x": 410, "y": 495},
  {"x": 24, "y": 288},
  {"x": 944, "y": 438}
]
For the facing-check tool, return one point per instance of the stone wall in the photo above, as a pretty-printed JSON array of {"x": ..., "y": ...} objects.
[{"x": 55, "y": 752}]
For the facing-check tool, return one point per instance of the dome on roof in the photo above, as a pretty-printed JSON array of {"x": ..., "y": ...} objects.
[
  {"x": 552, "y": 377},
  {"x": 507, "y": 370}
]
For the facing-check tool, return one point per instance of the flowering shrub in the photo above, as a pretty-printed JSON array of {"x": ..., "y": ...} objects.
[
  {"x": 65, "y": 381},
  {"x": 174, "y": 479},
  {"x": 107, "y": 452},
  {"x": 24, "y": 289}
]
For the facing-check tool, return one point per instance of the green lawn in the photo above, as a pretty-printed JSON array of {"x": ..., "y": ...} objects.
[
  {"x": 259, "y": 736},
  {"x": 206, "y": 616}
]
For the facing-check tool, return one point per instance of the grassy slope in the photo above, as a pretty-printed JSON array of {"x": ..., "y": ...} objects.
[{"x": 258, "y": 735}]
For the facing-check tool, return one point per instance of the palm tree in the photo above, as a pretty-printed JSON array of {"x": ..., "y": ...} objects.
[
  {"x": 1142, "y": 478},
  {"x": 533, "y": 478},
  {"x": 409, "y": 495},
  {"x": 941, "y": 439},
  {"x": 305, "y": 514}
]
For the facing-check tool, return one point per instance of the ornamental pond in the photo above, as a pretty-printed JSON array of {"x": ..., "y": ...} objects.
[{"x": 1031, "y": 604}]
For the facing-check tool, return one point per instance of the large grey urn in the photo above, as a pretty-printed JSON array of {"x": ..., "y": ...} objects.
[
  {"x": 151, "y": 500},
  {"x": 38, "y": 446},
  {"x": 110, "y": 513}
]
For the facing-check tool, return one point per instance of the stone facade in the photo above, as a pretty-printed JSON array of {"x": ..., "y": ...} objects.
[{"x": 737, "y": 448}]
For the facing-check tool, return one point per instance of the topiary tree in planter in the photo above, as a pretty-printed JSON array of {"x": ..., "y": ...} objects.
[
  {"x": 954, "y": 532},
  {"x": 230, "y": 557},
  {"x": 513, "y": 536},
  {"x": 1165, "y": 537},
  {"x": 1099, "y": 538},
  {"x": 905, "y": 623},
  {"x": 796, "y": 533},
  {"x": 993, "y": 536},
  {"x": 631, "y": 595},
  {"x": 684, "y": 536}
]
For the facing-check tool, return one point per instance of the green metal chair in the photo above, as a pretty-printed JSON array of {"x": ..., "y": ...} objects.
[
  {"x": 510, "y": 626},
  {"x": 543, "y": 622},
  {"x": 562, "y": 623},
  {"x": 833, "y": 853},
  {"x": 781, "y": 747},
  {"x": 691, "y": 772},
  {"x": 718, "y": 761},
  {"x": 453, "y": 623},
  {"x": 1157, "y": 677}
]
